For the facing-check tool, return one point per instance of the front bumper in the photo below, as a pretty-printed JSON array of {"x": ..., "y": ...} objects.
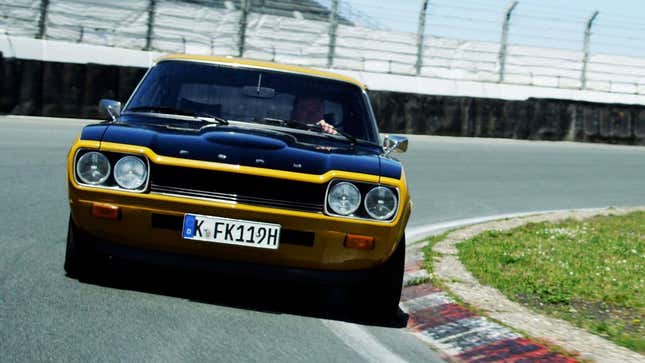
[{"x": 153, "y": 222}]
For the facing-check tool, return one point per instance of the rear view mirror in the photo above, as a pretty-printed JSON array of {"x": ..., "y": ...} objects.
[
  {"x": 259, "y": 92},
  {"x": 110, "y": 108},
  {"x": 395, "y": 143}
]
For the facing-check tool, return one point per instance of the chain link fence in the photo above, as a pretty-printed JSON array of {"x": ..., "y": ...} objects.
[{"x": 515, "y": 43}]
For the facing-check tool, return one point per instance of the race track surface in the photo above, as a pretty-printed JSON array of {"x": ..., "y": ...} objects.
[
  {"x": 159, "y": 315},
  {"x": 454, "y": 178}
]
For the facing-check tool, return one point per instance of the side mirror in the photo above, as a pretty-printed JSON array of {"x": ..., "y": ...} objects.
[
  {"x": 394, "y": 143},
  {"x": 110, "y": 108}
]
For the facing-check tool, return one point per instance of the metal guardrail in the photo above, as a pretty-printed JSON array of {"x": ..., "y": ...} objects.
[{"x": 330, "y": 34}]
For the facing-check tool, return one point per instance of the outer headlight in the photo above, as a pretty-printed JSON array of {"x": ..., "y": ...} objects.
[
  {"x": 130, "y": 172},
  {"x": 93, "y": 168},
  {"x": 381, "y": 203},
  {"x": 344, "y": 198}
]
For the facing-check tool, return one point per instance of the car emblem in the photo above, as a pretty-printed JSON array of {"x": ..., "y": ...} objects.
[
  {"x": 222, "y": 156},
  {"x": 184, "y": 152},
  {"x": 259, "y": 161},
  {"x": 297, "y": 165}
]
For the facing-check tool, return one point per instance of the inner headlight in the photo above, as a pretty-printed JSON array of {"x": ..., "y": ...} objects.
[
  {"x": 380, "y": 203},
  {"x": 344, "y": 198},
  {"x": 93, "y": 168},
  {"x": 130, "y": 172}
]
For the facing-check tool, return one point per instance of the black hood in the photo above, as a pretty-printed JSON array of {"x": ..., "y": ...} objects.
[{"x": 264, "y": 148}]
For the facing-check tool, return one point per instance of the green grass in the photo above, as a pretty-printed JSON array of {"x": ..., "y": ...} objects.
[
  {"x": 590, "y": 273},
  {"x": 429, "y": 255},
  {"x": 417, "y": 281}
]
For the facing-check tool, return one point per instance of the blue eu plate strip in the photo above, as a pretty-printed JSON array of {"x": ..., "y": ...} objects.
[{"x": 189, "y": 226}]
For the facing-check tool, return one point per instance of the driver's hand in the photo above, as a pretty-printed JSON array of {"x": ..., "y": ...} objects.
[{"x": 328, "y": 128}]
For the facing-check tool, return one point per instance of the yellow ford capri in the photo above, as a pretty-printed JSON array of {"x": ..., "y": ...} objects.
[{"x": 243, "y": 167}]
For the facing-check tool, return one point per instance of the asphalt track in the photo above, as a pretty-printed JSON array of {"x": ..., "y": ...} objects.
[{"x": 131, "y": 314}]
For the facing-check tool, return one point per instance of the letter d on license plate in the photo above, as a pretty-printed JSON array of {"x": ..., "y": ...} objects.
[{"x": 231, "y": 231}]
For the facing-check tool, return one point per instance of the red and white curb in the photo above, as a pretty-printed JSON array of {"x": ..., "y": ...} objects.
[{"x": 460, "y": 334}]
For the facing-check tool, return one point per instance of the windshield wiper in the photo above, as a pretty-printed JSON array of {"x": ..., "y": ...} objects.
[
  {"x": 175, "y": 111},
  {"x": 308, "y": 127}
]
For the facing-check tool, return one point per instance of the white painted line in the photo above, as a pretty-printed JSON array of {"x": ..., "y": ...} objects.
[
  {"x": 362, "y": 342},
  {"x": 425, "y": 302},
  {"x": 462, "y": 335},
  {"x": 477, "y": 324},
  {"x": 414, "y": 234}
]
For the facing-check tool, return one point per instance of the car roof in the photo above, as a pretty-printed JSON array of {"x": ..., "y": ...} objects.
[{"x": 263, "y": 64}]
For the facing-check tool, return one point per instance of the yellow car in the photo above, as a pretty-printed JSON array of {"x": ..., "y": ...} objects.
[{"x": 243, "y": 167}]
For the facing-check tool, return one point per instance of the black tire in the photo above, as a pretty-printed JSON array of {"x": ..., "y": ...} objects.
[
  {"x": 79, "y": 256},
  {"x": 381, "y": 294}
]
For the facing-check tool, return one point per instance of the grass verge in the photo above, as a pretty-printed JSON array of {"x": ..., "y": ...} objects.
[
  {"x": 431, "y": 256},
  {"x": 590, "y": 273}
]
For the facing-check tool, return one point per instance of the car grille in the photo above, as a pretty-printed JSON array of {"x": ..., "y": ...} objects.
[{"x": 238, "y": 188}]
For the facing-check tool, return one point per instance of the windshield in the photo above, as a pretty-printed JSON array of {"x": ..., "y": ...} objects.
[{"x": 253, "y": 95}]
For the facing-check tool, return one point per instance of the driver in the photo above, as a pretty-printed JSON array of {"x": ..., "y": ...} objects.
[{"x": 309, "y": 109}]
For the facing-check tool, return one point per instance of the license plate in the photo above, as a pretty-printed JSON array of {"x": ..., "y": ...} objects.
[{"x": 231, "y": 231}]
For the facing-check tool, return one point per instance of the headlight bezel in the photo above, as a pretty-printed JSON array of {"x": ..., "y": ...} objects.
[
  {"x": 122, "y": 160},
  {"x": 364, "y": 188},
  {"x": 110, "y": 183},
  {"x": 99, "y": 181},
  {"x": 391, "y": 213},
  {"x": 352, "y": 185}
]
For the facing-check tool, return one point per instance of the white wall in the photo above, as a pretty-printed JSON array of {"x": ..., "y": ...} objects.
[
  {"x": 59, "y": 51},
  {"x": 114, "y": 33}
]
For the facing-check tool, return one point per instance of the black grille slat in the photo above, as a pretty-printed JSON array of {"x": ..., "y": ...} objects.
[
  {"x": 235, "y": 198},
  {"x": 239, "y": 188}
]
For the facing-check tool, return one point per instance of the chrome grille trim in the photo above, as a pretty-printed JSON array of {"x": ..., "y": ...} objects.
[{"x": 235, "y": 198}]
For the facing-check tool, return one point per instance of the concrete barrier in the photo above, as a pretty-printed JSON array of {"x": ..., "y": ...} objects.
[
  {"x": 33, "y": 87},
  {"x": 41, "y": 88},
  {"x": 535, "y": 119},
  {"x": 639, "y": 125}
]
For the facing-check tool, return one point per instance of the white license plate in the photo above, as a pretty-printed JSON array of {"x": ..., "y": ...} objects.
[{"x": 231, "y": 231}]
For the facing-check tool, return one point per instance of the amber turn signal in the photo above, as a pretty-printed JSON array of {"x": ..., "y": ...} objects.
[
  {"x": 106, "y": 211},
  {"x": 358, "y": 241}
]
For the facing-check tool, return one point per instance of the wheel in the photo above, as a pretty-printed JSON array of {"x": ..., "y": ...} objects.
[
  {"x": 79, "y": 256},
  {"x": 382, "y": 293}
]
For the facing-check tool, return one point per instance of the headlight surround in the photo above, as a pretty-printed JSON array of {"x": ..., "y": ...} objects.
[
  {"x": 344, "y": 198},
  {"x": 130, "y": 172},
  {"x": 93, "y": 168},
  {"x": 381, "y": 203}
]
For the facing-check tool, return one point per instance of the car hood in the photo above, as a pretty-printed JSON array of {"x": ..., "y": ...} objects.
[{"x": 249, "y": 147}]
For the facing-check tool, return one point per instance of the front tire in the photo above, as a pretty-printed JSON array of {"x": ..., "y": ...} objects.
[
  {"x": 381, "y": 293},
  {"x": 79, "y": 256}
]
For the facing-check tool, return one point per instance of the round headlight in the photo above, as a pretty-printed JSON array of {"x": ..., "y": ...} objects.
[
  {"x": 130, "y": 172},
  {"x": 380, "y": 203},
  {"x": 344, "y": 198},
  {"x": 93, "y": 168}
]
